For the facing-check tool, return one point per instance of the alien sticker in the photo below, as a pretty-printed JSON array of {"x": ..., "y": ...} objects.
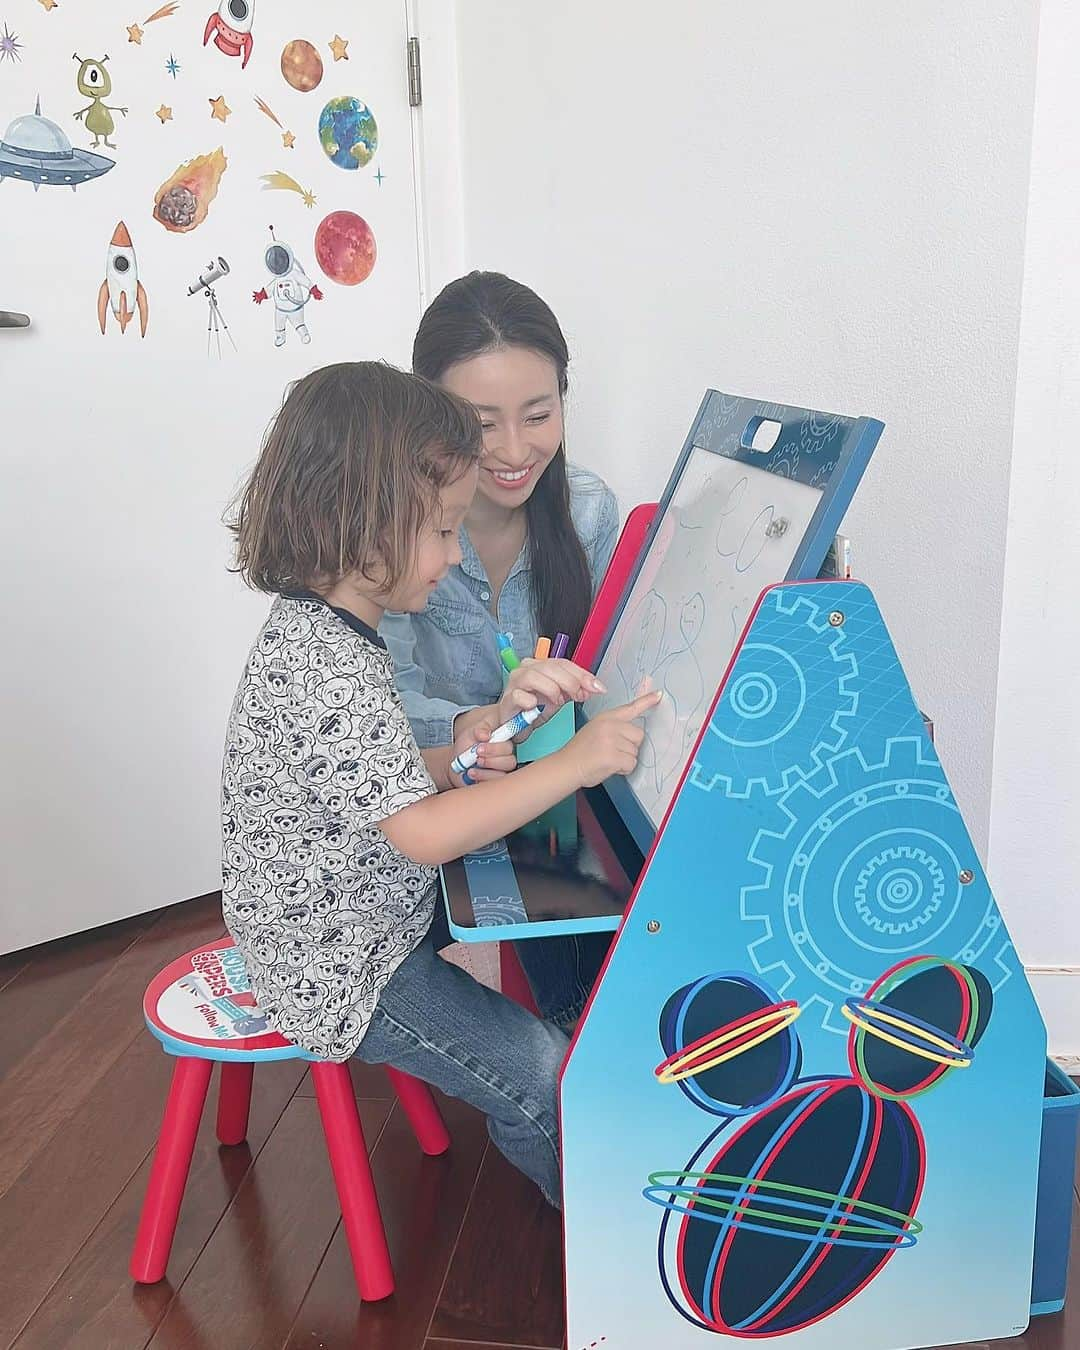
[{"x": 95, "y": 83}]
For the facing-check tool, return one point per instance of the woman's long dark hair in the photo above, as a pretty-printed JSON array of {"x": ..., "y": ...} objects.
[{"x": 480, "y": 313}]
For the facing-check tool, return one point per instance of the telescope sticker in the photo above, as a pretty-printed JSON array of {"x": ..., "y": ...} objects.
[
  {"x": 182, "y": 201},
  {"x": 203, "y": 284}
]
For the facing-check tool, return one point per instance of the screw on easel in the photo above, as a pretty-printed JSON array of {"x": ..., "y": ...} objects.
[
  {"x": 836, "y": 618},
  {"x": 653, "y": 926},
  {"x": 966, "y": 877}
]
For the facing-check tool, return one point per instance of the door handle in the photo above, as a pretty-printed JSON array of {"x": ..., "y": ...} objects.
[{"x": 9, "y": 319}]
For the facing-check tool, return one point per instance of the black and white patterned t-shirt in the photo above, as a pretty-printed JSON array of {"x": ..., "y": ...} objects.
[{"x": 318, "y": 751}]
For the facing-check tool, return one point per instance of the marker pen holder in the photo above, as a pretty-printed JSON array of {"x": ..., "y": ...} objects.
[{"x": 552, "y": 736}]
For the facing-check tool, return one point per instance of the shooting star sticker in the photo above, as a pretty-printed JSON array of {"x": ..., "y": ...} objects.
[
  {"x": 284, "y": 183},
  {"x": 135, "y": 33},
  {"x": 46, "y": 5},
  {"x": 287, "y": 138}
]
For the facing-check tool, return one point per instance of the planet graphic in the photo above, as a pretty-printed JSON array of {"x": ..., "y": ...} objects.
[
  {"x": 730, "y": 1044},
  {"x": 794, "y": 1214},
  {"x": 301, "y": 65},
  {"x": 917, "y": 1023},
  {"x": 348, "y": 133},
  {"x": 345, "y": 247}
]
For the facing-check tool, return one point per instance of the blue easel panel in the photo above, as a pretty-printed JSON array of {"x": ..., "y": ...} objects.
[{"x": 806, "y": 1100}]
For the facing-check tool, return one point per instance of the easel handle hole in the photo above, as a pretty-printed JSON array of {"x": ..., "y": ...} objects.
[{"x": 761, "y": 434}]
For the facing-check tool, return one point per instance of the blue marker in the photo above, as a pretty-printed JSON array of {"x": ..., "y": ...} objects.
[{"x": 516, "y": 725}]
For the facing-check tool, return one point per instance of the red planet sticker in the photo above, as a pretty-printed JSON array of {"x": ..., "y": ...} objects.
[{"x": 345, "y": 248}]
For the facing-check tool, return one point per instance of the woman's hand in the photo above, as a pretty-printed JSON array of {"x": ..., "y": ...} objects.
[{"x": 551, "y": 683}]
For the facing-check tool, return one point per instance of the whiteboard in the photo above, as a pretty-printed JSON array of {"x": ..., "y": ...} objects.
[{"x": 729, "y": 531}]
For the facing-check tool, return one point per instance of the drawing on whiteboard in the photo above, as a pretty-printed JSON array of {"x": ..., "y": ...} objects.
[
  {"x": 659, "y": 659},
  {"x": 729, "y": 531}
]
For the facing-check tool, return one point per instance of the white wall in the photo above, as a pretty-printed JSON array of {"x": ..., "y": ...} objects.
[
  {"x": 819, "y": 204},
  {"x": 122, "y": 634},
  {"x": 1035, "y": 822}
]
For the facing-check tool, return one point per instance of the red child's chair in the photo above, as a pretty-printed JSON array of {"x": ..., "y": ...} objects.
[{"x": 201, "y": 1009}]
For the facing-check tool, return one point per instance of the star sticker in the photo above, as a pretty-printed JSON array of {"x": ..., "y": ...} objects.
[
  {"x": 338, "y": 48},
  {"x": 172, "y": 65},
  {"x": 164, "y": 113},
  {"x": 10, "y": 45},
  {"x": 135, "y": 34},
  {"x": 288, "y": 140},
  {"x": 219, "y": 108},
  {"x": 46, "y": 5},
  {"x": 379, "y": 176}
]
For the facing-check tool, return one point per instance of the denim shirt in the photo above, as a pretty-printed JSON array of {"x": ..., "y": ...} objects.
[{"x": 447, "y": 657}]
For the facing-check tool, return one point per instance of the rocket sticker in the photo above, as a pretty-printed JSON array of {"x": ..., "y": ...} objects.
[
  {"x": 230, "y": 27},
  {"x": 122, "y": 291}
]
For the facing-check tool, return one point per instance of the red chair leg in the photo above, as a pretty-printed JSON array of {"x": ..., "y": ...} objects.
[
  {"x": 424, "y": 1116},
  {"x": 234, "y": 1102},
  {"x": 512, "y": 979},
  {"x": 168, "y": 1175},
  {"x": 352, "y": 1175}
]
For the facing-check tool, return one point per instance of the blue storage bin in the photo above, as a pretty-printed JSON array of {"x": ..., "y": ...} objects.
[{"x": 1053, "y": 1208}]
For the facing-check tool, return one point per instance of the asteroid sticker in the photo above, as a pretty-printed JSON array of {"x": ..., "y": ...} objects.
[{"x": 182, "y": 201}]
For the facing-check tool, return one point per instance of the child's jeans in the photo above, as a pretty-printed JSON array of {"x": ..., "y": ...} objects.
[
  {"x": 561, "y": 972},
  {"x": 437, "y": 1023}
]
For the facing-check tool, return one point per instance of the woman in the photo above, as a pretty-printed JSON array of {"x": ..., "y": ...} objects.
[{"x": 536, "y": 542}]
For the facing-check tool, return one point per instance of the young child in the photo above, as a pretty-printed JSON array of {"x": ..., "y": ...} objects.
[{"x": 333, "y": 820}]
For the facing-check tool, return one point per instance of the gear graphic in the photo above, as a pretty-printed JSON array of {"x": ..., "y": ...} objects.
[
  {"x": 895, "y": 882},
  {"x": 841, "y": 890},
  {"x": 772, "y": 726}
]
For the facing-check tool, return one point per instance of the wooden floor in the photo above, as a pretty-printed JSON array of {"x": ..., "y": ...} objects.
[{"x": 259, "y": 1260}]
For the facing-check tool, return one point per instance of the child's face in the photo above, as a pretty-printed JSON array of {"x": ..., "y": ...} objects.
[
  {"x": 437, "y": 549},
  {"x": 516, "y": 393}
]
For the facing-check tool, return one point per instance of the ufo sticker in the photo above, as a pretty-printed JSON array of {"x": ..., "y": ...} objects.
[{"x": 37, "y": 151}]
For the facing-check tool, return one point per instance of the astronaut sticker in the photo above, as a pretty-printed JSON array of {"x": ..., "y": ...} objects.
[{"x": 289, "y": 288}]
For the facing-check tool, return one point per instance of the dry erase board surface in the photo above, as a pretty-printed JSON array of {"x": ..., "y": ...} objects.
[{"x": 730, "y": 530}]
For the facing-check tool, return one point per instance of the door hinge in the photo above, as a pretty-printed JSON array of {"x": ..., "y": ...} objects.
[{"x": 415, "y": 94}]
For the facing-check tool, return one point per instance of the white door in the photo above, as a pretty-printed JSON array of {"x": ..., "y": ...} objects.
[{"x": 123, "y": 632}]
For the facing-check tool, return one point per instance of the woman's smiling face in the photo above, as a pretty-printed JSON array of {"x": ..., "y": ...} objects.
[{"x": 516, "y": 392}]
